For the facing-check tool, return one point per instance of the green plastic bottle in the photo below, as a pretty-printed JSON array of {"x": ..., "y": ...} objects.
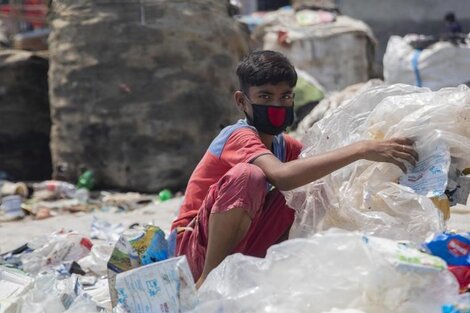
[
  {"x": 165, "y": 195},
  {"x": 86, "y": 180}
]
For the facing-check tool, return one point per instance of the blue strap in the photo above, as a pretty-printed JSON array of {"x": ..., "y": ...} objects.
[{"x": 415, "y": 65}]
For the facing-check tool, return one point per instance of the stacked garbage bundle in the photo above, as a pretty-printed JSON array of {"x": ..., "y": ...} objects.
[
  {"x": 140, "y": 107},
  {"x": 335, "y": 49},
  {"x": 425, "y": 61}
]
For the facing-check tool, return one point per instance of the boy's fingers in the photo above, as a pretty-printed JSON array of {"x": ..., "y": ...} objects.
[
  {"x": 398, "y": 163},
  {"x": 404, "y": 141},
  {"x": 408, "y": 150},
  {"x": 405, "y": 156}
]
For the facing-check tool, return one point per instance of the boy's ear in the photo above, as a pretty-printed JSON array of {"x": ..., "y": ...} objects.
[{"x": 239, "y": 100}]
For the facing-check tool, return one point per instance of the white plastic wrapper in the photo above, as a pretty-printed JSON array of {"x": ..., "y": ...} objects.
[
  {"x": 97, "y": 260},
  {"x": 57, "y": 248},
  {"x": 330, "y": 272},
  {"x": 364, "y": 196}
]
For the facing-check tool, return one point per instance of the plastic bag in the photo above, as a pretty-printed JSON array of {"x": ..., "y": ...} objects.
[
  {"x": 333, "y": 270},
  {"x": 364, "y": 195},
  {"x": 60, "y": 247},
  {"x": 453, "y": 248},
  {"x": 53, "y": 294},
  {"x": 102, "y": 229},
  {"x": 97, "y": 260}
]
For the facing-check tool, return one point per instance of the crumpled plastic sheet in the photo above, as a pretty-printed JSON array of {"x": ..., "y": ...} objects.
[
  {"x": 51, "y": 294},
  {"x": 364, "y": 196},
  {"x": 332, "y": 272}
]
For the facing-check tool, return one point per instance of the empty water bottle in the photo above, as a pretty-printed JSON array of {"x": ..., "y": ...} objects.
[{"x": 56, "y": 187}]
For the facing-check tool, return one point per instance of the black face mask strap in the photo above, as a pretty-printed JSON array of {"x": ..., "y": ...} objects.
[{"x": 248, "y": 119}]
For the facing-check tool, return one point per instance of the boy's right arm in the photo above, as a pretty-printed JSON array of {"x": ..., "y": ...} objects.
[{"x": 293, "y": 174}]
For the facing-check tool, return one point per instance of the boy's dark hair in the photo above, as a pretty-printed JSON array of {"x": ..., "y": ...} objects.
[{"x": 265, "y": 67}]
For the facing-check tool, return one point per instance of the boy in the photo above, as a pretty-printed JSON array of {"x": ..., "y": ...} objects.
[{"x": 233, "y": 201}]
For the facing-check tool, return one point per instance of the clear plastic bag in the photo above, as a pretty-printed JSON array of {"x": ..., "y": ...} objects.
[
  {"x": 327, "y": 272},
  {"x": 364, "y": 195},
  {"x": 59, "y": 247}
]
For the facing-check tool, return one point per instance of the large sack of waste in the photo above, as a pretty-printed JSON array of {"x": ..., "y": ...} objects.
[
  {"x": 377, "y": 198},
  {"x": 24, "y": 115},
  {"x": 333, "y": 272},
  {"x": 139, "y": 88},
  {"x": 337, "y": 50},
  {"x": 440, "y": 64}
]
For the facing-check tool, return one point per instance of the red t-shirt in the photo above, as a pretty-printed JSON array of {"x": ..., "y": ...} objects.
[{"x": 238, "y": 143}]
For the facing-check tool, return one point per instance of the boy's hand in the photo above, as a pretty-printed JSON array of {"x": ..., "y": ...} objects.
[{"x": 395, "y": 150}]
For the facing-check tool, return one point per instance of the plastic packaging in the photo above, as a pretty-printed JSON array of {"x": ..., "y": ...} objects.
[
  {"x": 133, "y": 249},
  {"x": 364, "y": 195},
  {"x": 167, "y": 287},
  {"x": 332, "y": 270},
  {"x": 97, "y": 260},
  {"x": 57, "y": 188},
  {"x": 102, "y": 229},
  {"x": 453, "y": 248},
  {"x": 165, "y": 195},
  {"x": 60, "y": 247},
  {"x": 11, "y": 208},
  {"x": 53, "y": 294},
  {"x": 86, "y": 180}
]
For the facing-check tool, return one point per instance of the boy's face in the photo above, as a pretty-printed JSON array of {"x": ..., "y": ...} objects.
[{"x": 280, "y": 94}]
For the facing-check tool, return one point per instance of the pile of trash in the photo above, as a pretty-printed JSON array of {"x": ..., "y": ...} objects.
[
  {"x": 70, "y": 272},
  {"x": 333, "y": 272},
  {"x": 377, "y": 198},
  {"x": 53, "y": 197}
]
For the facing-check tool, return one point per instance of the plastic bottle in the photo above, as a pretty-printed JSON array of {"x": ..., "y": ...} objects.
[
  {"x": 59, "y": 188},
  {"x": 86, "y": 180},
  {"x": 165, "y": 195}
]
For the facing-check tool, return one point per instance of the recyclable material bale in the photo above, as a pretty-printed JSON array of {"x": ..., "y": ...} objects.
[
  {"x": 24, "y": 115},
  {"x": 442, "y": 64},
  {"x": 139, "y": 88},
  {"x": 338, "y": 53},
  {"x": 364, "y": 195}
]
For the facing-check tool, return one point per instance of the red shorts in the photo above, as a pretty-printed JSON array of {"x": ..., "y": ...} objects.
[{"x": 244, "y": 186}]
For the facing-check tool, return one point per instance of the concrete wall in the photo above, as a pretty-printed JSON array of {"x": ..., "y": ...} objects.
[{"x": 400, "y": 17}]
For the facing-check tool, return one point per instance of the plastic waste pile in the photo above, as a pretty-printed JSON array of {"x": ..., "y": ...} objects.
[
  {"x": 331, "y": 272},
  {"x": 42, "y": 200},
  {"x": 377, "y": 198},
  {"x": 67, "y": 272}
]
